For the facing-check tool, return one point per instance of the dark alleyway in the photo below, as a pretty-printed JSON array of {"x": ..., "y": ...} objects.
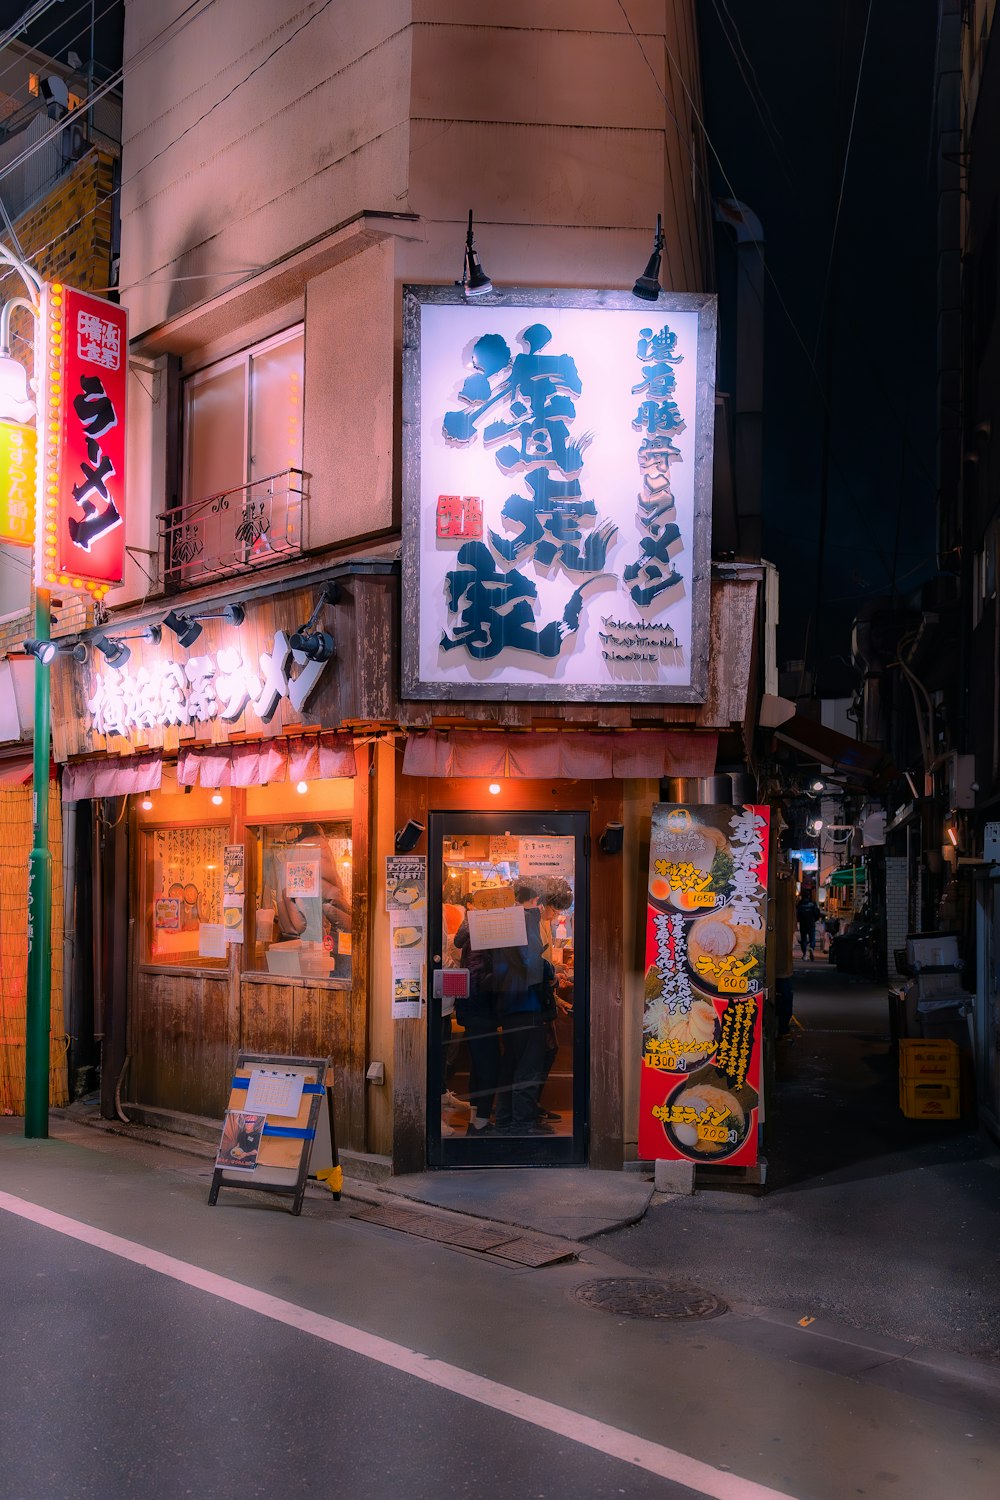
[{"x": 871, "y": 1219}]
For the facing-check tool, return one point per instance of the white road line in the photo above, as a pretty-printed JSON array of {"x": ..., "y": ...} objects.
[{"x": 652, "y": 1457}]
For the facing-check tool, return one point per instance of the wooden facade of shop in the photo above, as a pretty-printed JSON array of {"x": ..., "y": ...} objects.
[
  {"x": 186, "y": 1025},
  {"x": 361, "y": 684}
]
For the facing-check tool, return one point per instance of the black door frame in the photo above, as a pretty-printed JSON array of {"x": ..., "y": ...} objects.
[{"x": 494, "y": 1150}]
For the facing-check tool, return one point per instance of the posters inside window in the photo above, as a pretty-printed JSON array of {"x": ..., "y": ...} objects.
[
  {"x": 705, "y": 973},
  {"x": 557, "y": 495}
]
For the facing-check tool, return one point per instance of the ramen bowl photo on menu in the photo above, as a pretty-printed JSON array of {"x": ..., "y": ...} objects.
[
  {"x": 704, "y": 1122},
  {"x": 692, "y": 870},
  {"x": 725, "y": 957}
]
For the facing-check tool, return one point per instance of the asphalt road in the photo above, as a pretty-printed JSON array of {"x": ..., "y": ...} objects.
[{"x": 121, "y": 1382}]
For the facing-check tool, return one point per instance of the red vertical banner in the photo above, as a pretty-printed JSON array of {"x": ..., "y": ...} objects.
[
  {"x": 705, "y": 973},
  {"x": 80, "y": 539}
]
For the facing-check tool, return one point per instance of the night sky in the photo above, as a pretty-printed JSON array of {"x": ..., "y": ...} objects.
[
  {"x": 66, "y": 27},
  {"x": 781, "y": 142}
]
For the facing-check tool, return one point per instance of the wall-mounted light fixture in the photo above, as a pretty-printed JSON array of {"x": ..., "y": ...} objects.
[
  {"x": 494, "y": 788},
  {"x": 46, "y": 651},
  {"x": 302, "y": 787},
  {"x": 409, "y": 836},
  {"x": 114, "y": 650},
  {"x": 187, "y": 627},
  {"x": 217, "y": 798},
  {"x": 648, "y": 285},
  {"x": 475, "y": 282},
  {"x": 317, "y": 645},
  {"x": 612, "y": 839},
  {"x": 146, "y": 804},
  {"x": 816, "y": 826}
]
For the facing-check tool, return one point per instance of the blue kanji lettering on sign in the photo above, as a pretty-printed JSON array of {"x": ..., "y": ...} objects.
[{"x": 522, "y": 405}]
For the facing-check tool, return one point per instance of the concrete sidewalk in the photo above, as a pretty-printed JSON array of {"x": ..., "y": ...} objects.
[{"x": 571, "y": 1203}]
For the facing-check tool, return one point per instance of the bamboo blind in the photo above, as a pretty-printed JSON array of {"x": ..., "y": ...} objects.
[{"x": 15, "y": 847}]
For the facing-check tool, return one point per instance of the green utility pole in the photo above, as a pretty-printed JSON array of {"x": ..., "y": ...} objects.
[{"x": 36, "y": 1052}]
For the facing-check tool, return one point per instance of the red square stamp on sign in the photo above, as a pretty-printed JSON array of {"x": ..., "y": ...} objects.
[{"x": 459, "y": 517}]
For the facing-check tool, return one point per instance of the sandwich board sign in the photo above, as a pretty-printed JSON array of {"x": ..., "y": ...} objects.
[{"x": 279, "y": 1115}]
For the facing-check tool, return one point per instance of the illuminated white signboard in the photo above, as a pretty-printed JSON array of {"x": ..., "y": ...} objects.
[
  {"x": 219, "y": 685},
  {"x": 557, "y": 495}
]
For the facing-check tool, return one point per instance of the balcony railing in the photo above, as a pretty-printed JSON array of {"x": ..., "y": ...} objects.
[{"x": 251, "y": 527}]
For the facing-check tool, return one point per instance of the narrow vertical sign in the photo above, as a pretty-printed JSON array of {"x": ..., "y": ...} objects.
[
  {"x": 705, "y": 968},
  {"x": 17, "y": 483},
  {"x": 80, "y": 538}
]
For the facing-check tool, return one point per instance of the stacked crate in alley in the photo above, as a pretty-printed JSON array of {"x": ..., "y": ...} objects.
[
  {"x": 936, "y": 1057},
  {"x": 929, "y": 1079}
]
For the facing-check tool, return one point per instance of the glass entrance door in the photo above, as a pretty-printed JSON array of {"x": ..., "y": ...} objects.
[{"x": 507, "y": 1046}]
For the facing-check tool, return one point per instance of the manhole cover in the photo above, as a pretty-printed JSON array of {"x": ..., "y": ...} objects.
[{"x": 635, "y": 1297}]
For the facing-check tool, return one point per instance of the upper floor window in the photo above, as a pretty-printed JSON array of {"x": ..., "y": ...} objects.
[
  {"x": 243, "y": 489},
  {"x": 243, "y": 418}
]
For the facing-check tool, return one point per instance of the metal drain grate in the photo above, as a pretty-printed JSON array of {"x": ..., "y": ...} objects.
[
  {"x": 636, "y": 1297},
  {"x": 501, "y": 1243}
]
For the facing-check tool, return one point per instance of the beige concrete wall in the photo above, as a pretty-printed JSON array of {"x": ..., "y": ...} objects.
[
  {"x": 349, "y": 386},
  {"x": 252, "y": 132},
  {"x": 249, "y": 130},
  {"x": 566, "y": 129}
]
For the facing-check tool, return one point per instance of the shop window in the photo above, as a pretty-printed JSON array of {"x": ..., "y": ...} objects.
[
  {"x": 301, "y": 922},
  {"x": 243, "y": 418},
  {"x": 184, "y": 906}
]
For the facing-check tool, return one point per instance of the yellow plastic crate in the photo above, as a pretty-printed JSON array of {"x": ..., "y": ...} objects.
[
  {"x": 923, "y": 1100},
  {"x": 928, "y": 1061}
]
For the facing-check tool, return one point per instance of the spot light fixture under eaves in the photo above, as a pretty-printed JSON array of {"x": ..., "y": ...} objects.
[
  {"x": 648, "y": 285},
  {"x": 46, "y": 651},
  {"x": 114, "y": 649},
  {"x": 475, "y": 282},
  {"x": 316, "y": 645},
  {"x": 115, "y": 653},
  {"x": 187, "y": 627}
]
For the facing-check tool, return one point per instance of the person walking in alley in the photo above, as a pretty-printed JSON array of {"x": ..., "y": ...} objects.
[{"x": 807, "y": 913}]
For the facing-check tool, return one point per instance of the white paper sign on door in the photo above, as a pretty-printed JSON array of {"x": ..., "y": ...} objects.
[
  {"x": 502, "y": 927},
  {"x": 553, "y": 856}
]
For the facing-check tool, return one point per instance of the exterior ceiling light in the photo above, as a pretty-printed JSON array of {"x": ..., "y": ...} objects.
[
  {"x": 648, "y": 285},
  {"x": 475, "y": 282}
]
